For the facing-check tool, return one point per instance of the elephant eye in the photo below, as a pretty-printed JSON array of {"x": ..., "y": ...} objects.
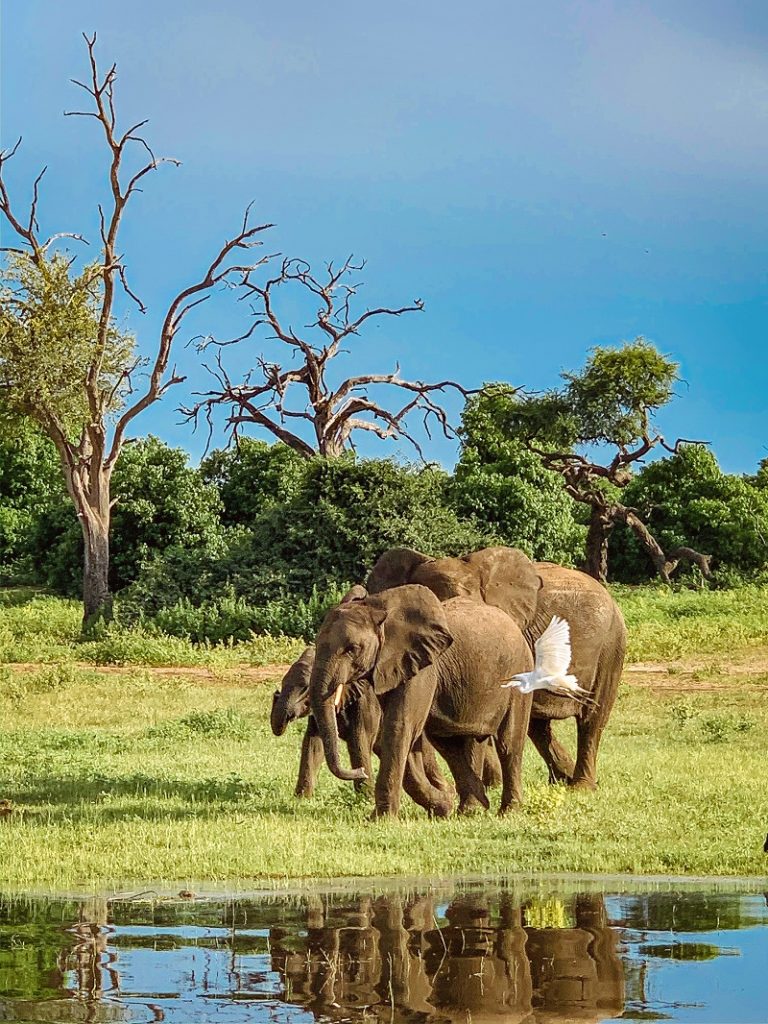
[{"x": 352, "y": 649}]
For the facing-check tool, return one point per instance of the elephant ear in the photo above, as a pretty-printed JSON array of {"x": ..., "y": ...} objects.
[
  {"x": 356, "y": 593},
  {"x": 394, "y": 569},
  {"x": 297, "y": 676},
  {"x": 508, "y": 580},
  {"x": 414, "y": 633}
]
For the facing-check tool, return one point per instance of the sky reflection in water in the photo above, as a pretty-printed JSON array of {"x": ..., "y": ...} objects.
[{"x": 480, "y": 952}]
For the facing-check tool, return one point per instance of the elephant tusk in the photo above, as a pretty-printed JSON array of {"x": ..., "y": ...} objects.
[{"x": 338, "y": 695}]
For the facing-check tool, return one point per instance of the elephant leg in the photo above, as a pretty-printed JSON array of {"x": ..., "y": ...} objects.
[
  {"x": 510, "y": 742},
  {"x": 312, "y": 757},
  {"x": 491, "y": 768},
  {"x": 557, "y": 759},
  {"x": 588, "y": 734},
  {"x": 400, "y": 726},
  {"x": 360, "y": 744},
  {"x": 436, "y": 802},
  {"x": 432, "y": 769},
  {"x": 457, "y": 752}
]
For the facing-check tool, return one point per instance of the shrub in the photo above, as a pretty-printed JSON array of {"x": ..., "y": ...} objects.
[{"x": 686, "y": 499}]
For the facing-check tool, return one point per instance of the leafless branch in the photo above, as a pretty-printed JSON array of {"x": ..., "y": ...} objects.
[{"x": 334, "y": 413}]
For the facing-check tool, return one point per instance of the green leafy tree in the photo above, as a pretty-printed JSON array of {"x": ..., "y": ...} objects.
[
  {"x": 64, "y": 361},
  {"x": 592, "y": 431},
  {"x": 307, "y": 528},
  {"x": 686, "y": 498},
  {"x": 500, "y": 484},
  {"x": 161, "y": 502},
  {"x": 253, "y": 476}
]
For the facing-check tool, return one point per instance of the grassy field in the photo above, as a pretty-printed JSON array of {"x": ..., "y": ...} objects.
[{"x": 131, "y": 774}]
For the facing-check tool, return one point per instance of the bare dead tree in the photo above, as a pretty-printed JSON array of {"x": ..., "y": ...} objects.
[
  {"x": 584, "y": 480},
  {"x": 333, "y": 414},
  {"x": 88, "y": 459}
]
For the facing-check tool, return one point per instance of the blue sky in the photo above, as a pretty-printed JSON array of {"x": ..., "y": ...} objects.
[{"x": 546, "y": 176}]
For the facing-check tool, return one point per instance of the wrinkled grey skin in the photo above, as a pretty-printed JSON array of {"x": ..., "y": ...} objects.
[
  {"x": 435, "y": 669},
  {"x": 500, "y": 576},
  {"x": 358, "y": 720}
]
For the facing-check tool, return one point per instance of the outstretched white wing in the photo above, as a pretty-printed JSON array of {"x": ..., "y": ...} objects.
[{"x": 553, "y": 649}]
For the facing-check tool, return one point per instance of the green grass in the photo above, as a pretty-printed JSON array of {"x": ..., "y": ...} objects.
[
  {"x": 134, "y": 777},
  {"x": 42, "y": 629},
  {"x": 666, "y": 624}
]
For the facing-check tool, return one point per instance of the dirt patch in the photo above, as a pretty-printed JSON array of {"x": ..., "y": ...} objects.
[
  {"x": 742, "y": 670},
  {"x": 238, "y": 675},
  {"x": 739, "y": 671}
]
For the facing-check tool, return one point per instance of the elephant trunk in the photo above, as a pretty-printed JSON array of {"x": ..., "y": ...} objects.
[
  {"x": 279, "y": 717},
  {"x": 325, "y": 718}
]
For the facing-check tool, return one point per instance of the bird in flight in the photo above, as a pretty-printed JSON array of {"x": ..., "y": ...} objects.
[{"x": 552, "y": 658}]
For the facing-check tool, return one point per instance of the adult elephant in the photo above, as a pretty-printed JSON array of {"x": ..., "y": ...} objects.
[
  {"x": 499, "y": 576},
  {"x": 358, "y": 718},
  {"x": 436, "y": 669}
]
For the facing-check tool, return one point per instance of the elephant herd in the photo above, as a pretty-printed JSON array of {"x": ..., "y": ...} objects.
[{"x": 412, "y": 663}]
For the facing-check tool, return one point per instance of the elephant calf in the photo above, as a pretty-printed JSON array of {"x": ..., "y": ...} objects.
[{"x": 358, "y": 718}]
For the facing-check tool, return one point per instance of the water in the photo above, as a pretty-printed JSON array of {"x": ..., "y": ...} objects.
[{"x": 513, "y": 952}]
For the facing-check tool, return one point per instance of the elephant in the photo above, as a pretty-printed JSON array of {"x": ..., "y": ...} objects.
[
  {"x": 358, "y": 719},
  {"x": 405, "y": 957},
  {"x": 436, "y": 670},
  {"x": 499, "y": 576}
]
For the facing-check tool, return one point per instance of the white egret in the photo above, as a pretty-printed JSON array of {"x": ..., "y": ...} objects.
[{"x": 552, "y": 658}]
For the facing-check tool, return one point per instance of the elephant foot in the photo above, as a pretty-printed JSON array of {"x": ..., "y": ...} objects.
[
  {"x": 377, "y": 814},
  {"x": 510, "y": 808},
  {"x": 442, "y": 809},
  {"x": 560, "y": 778},
  {"x": 472, "y": 805},
  {"x": 583, "y": 785},
  {"x": 303, "y": 793}
]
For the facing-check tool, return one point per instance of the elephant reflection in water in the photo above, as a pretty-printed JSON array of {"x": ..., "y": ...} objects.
[{"x": 389, "y": 956}]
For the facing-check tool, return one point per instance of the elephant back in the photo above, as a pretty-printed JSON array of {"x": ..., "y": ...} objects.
[
  {"x": 448, "y": 578},
  {"x": 394, "y": 568}
]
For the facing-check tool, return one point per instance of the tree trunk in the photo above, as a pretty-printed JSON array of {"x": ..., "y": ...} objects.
[
  {"x": 97, "y": 602},
  {"x": 600, "y": 527},
  {"x": 664, "y": 564}
]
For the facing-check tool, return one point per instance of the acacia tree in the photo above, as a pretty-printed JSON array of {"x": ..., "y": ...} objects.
[
  {"x": 273, "y": 395},
  {"x": 606, "y": 408},
  {"x": 64, "y": 362}
]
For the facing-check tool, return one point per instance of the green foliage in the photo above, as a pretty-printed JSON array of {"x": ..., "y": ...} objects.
[
  {"x": 227, "y": 723},
  {"x": 161, "y": 502},
  {"x": 610, "y": 401},
  {"x": 303, "y": 531},
  {"x": 686, "y": 499},
  {"x": 49, "y": 319},
  {"x": 612, "y": 397},
  {"x": 30, "y": 482},
  {"x": 665, "y": 624},
  {"x": 348, "y": 511},
  {"x": 234, "y": 618},
  {"x": 504, "y": 487},
  {"x": 252, "y": 477}
]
